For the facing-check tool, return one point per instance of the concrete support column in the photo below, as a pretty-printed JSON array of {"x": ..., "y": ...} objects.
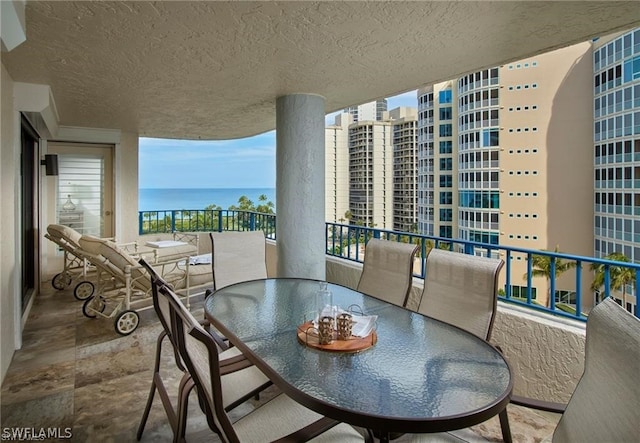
[{"x": 300, "y": 229}]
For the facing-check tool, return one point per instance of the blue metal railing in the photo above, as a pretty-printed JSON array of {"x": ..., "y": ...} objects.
[
  {"x": 203, "y": 220},
  {"x": 347, "y": 242}
]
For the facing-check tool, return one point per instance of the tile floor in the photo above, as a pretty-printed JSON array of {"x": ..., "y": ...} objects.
[{"x": 78, "y": 373}]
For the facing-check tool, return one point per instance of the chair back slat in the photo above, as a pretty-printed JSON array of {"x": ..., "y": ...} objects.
[
  {"x": 461, "y": 290},
  {"x": 237, "y": 257},
  {"x": 605, "y": 405},
  {"x": 387, "y": 272}
]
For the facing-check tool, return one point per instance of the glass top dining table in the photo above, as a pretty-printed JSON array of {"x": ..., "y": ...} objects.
[{"x": 421, "y": 376}]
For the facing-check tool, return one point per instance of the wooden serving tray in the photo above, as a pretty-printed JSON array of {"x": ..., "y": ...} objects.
[{"x": 309, "y": 337}]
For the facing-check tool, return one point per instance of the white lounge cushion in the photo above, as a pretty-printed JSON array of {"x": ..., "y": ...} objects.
[
  {"x": 69, "y": 234},
  {"x": 91, "y": 244}
]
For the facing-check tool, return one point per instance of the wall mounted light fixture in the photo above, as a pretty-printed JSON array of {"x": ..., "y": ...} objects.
[{"x": 50, "y": 163}]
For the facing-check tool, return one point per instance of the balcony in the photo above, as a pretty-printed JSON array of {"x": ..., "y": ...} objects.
[
  {"x": 543, "y": 339},
  {"x": 74, "y": 375}
]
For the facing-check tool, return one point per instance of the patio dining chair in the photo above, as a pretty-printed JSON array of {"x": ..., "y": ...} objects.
[
  {"x": 462, "y": 290},
  {"x": 387, "y": 272},
  {"x": 241, "y": 380},
  {"x": 280, "y": 419},
  {"x": 237, "y": 256},
  {"x": 604, "y": 404}
]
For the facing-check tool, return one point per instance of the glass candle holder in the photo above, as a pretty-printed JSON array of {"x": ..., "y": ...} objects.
[
  {"x": 325, "y": 330},
  {"x": 344, "y": 325}
]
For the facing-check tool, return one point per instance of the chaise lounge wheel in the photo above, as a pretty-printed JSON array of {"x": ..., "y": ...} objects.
[
  {"x": 93, "y": 305},
  {"x": 61, "y": 281},
  {"x": 83, "y": 290},
  {"x": 126, "y": 322}
]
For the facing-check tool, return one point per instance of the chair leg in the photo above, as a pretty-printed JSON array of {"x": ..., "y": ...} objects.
[
  {"x": 186, "y": 386},
  {"x": 152, "y": 391},
  {"x": 504, "y": 426}
]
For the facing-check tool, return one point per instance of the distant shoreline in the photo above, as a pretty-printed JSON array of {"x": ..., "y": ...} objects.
[{"x": 164, "y": 199}]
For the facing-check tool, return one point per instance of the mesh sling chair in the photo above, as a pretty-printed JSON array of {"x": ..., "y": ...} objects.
[
  {"x": 604, "y": 404},
  {"x": 387, "y": 272},
  {"x": 237, "y": 256},
  {"x": 462, "y": 290},
  {"x": 241, "y": 380},
  {"x": 280, "y": 419}
]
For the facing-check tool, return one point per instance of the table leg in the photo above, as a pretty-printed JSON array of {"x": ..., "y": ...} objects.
[{"x": 504, "y": 425}]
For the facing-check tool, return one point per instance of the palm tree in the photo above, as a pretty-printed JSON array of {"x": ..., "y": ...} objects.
[
  {"x": 542, "y": 268},
  {"x": 619, "y": 276}
]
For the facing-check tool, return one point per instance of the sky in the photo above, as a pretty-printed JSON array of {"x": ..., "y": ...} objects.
[{"x": 241, "y": 163}]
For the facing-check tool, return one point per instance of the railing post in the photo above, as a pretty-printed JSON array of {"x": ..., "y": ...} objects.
[
  {"x": 578, "y": 288},
  {"x": 552, "y": 286},
  {"x": 173, "y": 221},
  {"x": 507, "y": 289},
  {"x": 219, "y": 220},
  {"x": 529, "y": 275},
  {"x": 252, "y": 221},
  {"x": 637, "y": 284},
  {"x": 423, "y": 257},
  {"x": 140, "y": 221},
  {"x": 468, "y": 248}
]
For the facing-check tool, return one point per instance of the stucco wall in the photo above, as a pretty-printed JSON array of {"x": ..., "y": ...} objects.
[
  {"x": 546, "y": 354},
  {"x": 8, "y": 264}
]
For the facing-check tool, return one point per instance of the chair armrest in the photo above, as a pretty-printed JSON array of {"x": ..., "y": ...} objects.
[{"x": 540, "y": 405}]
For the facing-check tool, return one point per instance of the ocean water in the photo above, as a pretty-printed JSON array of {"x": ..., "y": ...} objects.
[{"x": 161, "y": 199}]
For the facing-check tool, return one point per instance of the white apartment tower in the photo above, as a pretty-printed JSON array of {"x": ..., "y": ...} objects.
[
  {"x": 337, "y": 169},
  {"x": 405, "y": 169},
  {"x": 371, "y": 173},
  {"x": 518, "y": 170},
  {"x": 374, "y": 111},
  {"x": 616, "y": 108}
]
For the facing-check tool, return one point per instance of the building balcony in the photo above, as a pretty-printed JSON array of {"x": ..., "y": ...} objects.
[
  {"x": 58, "y": 376},
  {"x": 76, "y": 377}
]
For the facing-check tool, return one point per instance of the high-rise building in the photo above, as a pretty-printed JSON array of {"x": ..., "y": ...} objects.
[
  {"x": 371, "y": 170},
  {"x": 504, "y": 158},
  {"x": 437, "y": 162},
  {"x": 616, "y": 107},
  {"x": 371, "y": 173},
  {"x": 337, "y": 169},
  {"x": 405, "y": 169},
  {"x": 368, "y": 111}
]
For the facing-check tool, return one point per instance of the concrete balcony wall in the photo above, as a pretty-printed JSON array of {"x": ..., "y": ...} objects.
[{"x": 204, "y": 247}]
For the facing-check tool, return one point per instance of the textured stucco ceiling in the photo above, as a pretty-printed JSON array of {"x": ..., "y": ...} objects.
[{"x": 213, "y": 70}]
